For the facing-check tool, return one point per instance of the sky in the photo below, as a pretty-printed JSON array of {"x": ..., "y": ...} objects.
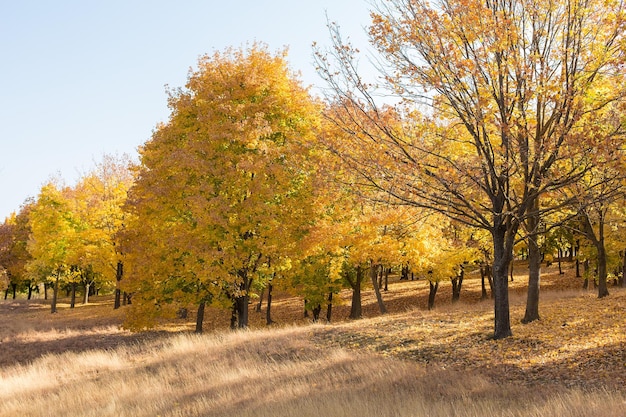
[{"x": 81, "y": 79}]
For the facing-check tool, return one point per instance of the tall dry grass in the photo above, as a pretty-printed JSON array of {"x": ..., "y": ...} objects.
[
  {"x": 269, "y": 373},
  {"x": 413, "y": 362}
]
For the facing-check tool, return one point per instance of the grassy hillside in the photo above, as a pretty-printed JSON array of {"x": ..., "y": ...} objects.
[{"x": 411, "y": 362}]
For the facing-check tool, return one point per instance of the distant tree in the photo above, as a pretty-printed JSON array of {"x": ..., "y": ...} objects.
[
  {"x": 14, "y": 256},
  {"x": 54, "y": 231}
]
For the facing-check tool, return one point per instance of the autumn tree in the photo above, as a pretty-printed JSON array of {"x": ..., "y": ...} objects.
[
  {"x": 503, "y": 85},
  {"x": 53, "y": 237},
  {"x": 14, "y": 255},
  {"x": 221, "y": 194},
  {"x": 97, "y": 201}
]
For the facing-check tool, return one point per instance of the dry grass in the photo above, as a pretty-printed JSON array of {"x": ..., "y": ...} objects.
[{"x": 409, "y": 363}]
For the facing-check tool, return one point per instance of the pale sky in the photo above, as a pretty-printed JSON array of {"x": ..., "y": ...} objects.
[{"x": 83, "y": 78}]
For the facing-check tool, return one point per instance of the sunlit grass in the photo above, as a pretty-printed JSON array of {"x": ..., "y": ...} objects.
[
  {"x": 412, "y": 362},
  {"x": 284, "y": 372}
]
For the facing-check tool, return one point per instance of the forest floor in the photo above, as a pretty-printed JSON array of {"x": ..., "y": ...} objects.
[{"x": 579, "y": 342}]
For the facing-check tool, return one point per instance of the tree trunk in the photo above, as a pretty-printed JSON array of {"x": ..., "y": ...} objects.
[
  {"x": 355, "y": 308},
  {"x": 483, "y": 273},
  {"x": 534, "y": 265},
  {"x": 431, "y": 294},
  {"x": 200, "y": 317},
  {"x": 329, "y": 309},
  {"x": 316, "y": 313},
  {"x": 534, "y": 282},
  {"x": 388, "y": 271},
  {"x": 260, "y": 303},
  {"x": 404, "y": 273},
  {"x": 560, "y": 254},
  {"x": 489, "y": 274},
  {"x": 242, "y": 311},
  {"x": 233, "y": 315},
  {"x": 502, "y": 254},
  {"x": 73, "y": 299},
  {"x": 55, "y": 293},
  {"x": 622, "y": 279},
  {"x": 118, "y": 281},
  {"x": 374, "y": 277},
  {"x": 603, "y": 290},
  {"x": 14, "y": 289},
  {"x": 586, "y": 274},
  {"x": 87, "y": 287},
  {"x": 457, "y": 283},
  {"x": 268, "y": 312}
]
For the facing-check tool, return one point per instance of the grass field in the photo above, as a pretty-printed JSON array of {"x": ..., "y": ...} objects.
[{"x": 410, "y": 362}]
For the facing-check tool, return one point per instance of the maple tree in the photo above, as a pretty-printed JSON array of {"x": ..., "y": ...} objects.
[
  {"x": 52, "y": 238},
  {"x": 506, "y": 82},
  {"x": 97, "y": 200},
  {"x": 14, "y": 234},
  {"x": 220, "y": 198}
]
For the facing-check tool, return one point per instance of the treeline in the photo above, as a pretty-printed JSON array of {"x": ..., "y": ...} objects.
[{"x": 254, "y": 184}]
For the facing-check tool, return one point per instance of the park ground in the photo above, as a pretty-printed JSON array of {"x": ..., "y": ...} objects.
[{"x": 409, "y": 362}]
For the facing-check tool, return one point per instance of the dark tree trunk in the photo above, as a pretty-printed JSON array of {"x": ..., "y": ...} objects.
[
  {"x": 457, "y": 283},
  {"x": 502, "y": 254},
  {"x": 55, "y": 293},
  {"x": 388, "y": 271},
  {"x": 73, "y": 299},
  {"x": 586, "y": 274},
  {"x": 431, "y": 294},
  {"x": 329, "y": 309},
  {"x": 355, "y": 308},
  {"x": 14, "y": 289},
  {"x": 242, "y": 301},
  {"x": 560, "y": 254},
  {"x": 30, "y": 292},
  {"x": 233, "y": 315},
  {"x": 603, "y": 290},
  {"x": 260, "y": 303},
  {"x": 6, "y": 293},
  {"x": 534, "y": 279},
  {"x": 118, "y": 282},
  {"x": 577, "y": 268},
  {"x": 268, "y": 312},
  {"x": 483, "y": 288},
  {"x": 404, "y": 273},
  {"x": 45, "y": 291},
  {"x": 622, "y": 279},
  {"x": 489, "y": 274},
  {"x": 242, "y": 311},
  {"x": 534, "y": 265},
  {"x": 200, "y": 317},
  {"x": 599, "y": 243},
  {"x": 373, "y": 275},
  {"x": 316, "y": 313}
]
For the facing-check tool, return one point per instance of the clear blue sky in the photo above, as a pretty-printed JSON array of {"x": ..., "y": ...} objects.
[{"x": 82, "y": 78}]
